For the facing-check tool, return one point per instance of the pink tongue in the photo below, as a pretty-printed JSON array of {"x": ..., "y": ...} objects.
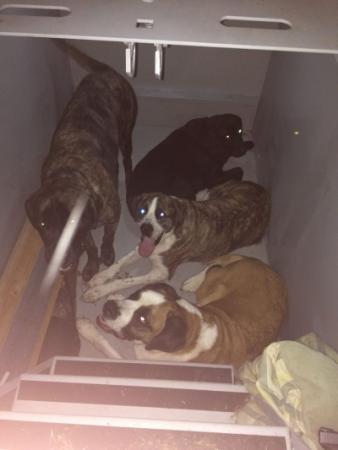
[{"x": 146, "y": 247}]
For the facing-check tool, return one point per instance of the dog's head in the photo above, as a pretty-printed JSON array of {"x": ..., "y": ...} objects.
[
  {"x": 153, "y": 315},
  {"x": 158, "y": 216},
  {"x": 48, "y": 210},
  {"x": 222, "y": 136}
]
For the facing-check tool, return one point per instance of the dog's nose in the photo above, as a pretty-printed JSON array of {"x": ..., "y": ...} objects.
[
  {"x": 147, "y": 229},
  {"x": 110, "y": 310}
]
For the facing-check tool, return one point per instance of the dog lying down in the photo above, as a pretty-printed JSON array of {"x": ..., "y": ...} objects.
[
  {"x": 240, "y": 305},
  {"x": 175, "y": 230},
  {"x": 191, "y": 158}
]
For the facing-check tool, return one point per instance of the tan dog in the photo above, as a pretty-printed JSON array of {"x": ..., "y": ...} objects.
[{"x": 241, "y": 303}]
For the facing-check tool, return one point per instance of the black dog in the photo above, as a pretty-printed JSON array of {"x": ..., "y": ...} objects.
[
  {"x": 83, "y": 159},
  {"x": 191, "y": 158}
]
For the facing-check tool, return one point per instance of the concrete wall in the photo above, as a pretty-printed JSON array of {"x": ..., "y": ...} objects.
[
  {"x": 296, "y": 133},
  {"x": 35, "y": 83}
]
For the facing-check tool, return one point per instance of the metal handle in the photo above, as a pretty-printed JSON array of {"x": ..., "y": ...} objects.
[
  {"x": 159, "y": 61},
  {"x": 130, "y": 59}
]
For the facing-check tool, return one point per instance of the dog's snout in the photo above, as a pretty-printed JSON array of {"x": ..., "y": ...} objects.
[
  {"x": 147, "y": 229},
  {"x": 110, "y": 310}
]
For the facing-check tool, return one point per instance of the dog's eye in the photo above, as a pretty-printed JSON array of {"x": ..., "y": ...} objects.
[
  {"x": 42, "y": 224},
  {"x": 227, "y": 136},
  {"x": 160, "y": 214},
  {"x": 141, "y": 317},
  {"x": 142, "y": 211},
  {"x": 240, "y": 131}
]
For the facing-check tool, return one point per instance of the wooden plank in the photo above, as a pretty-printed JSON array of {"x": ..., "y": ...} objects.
[
  {"x": 45, "y": 322},
  {"x": 16, "y": 276}
]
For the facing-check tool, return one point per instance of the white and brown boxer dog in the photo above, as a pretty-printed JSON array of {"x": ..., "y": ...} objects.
[
  {"x": 176, "y": 230},
  {"x": 240, "y": 305}
]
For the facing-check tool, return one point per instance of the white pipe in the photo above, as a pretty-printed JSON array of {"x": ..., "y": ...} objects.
[{"x": 63, "y": 244}]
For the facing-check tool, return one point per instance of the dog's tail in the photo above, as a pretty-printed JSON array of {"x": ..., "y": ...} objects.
[
  {"x": 225, "y": 260},
  {"x": 81, "y": 58}
]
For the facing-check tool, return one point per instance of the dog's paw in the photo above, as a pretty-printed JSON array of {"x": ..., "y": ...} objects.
[
  {"x": 104, "y": 276},
  {"x": 107, "y": 255},
  {"x": 91, "y": 333},
  {"x": 116, "y": 297},
  {"x": 98, "y": 279},
  {"x": 123, "y": 275},
  {"x": 202, "y": 196},
  {"x": 236, "y": 173},
  {"x": 92, "y": 295},
  {"x": 193, "y": 283},
  {"x": 84, "y": 327},
  {"x": 90, "y": 269}
]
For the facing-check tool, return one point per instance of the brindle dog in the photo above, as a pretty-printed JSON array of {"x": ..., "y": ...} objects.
[
  {"x": 176, "y": 230},
  {"x": 83, "y": 159}
]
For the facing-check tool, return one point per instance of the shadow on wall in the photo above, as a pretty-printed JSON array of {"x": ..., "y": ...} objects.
[
  {"x": 296, "y": 136},
  {"x": 35, "y": 85}
]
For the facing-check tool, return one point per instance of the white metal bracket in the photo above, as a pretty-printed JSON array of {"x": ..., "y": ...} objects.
[
  {"x": 130, "y": 59},
  {"x": 159, "y": 60}
]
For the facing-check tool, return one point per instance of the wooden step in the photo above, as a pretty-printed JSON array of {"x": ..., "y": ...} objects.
[
  {"x": 145, "y": 369},
  {"x": 52, "y": 431}
]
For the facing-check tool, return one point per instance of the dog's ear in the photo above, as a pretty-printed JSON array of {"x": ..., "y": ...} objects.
[
  {"x": 33, "y": 207},
  {"x": 29, "y": 208},
  {"x": 172, "y": 337},
  {"x": 37, "y": 203}
]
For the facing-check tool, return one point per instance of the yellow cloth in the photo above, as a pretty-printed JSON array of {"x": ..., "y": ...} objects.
[{"x": 299, "y": 381}]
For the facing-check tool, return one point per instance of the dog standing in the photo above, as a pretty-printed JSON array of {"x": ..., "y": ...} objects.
[
  {"x": 175, "y": 230},
  {"x": 191, "y": 158},
  {"x": 83, "y": 159},
  {"x": 240, "y": 305}
]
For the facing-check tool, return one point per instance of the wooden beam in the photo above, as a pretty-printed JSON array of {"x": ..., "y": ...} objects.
[
  {"x": 53, "y": 295},
  {"x": 16, "y": 276}
]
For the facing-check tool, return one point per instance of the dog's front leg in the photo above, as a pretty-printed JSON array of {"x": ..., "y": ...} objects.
[
  {"x": 126, "y": 150},
  {"x": 90, "y": 333},
  {"x": 93, "y": 263},
  {"x": 236, "y": 173},
  {"x": 109, "y": 273},
  {"x": 159, "y": 272},
  {"x": 107, "y": 246}
]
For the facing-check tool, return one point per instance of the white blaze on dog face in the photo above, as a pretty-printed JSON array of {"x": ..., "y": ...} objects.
[
  {"x": 126, "y": 309},
  {"x": 151, "y": 316},
  {"x": 159, "y": 319},
  {"x": 154, "y": 214},
  {"x": 155, "y": 217}
]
